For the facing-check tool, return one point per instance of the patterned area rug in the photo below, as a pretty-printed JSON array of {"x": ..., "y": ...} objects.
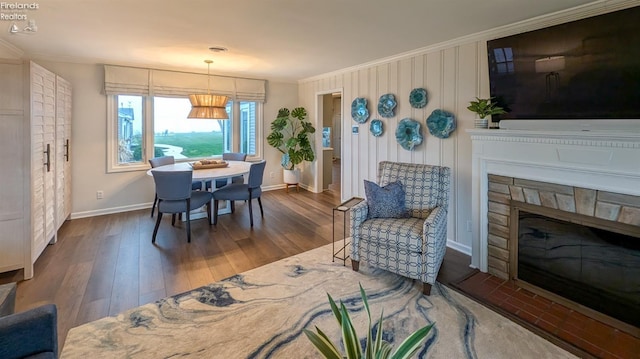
[{"x": 261, "y": 314}]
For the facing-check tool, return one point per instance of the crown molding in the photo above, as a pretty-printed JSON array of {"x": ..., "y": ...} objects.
[{"x": 11, "y": 49}]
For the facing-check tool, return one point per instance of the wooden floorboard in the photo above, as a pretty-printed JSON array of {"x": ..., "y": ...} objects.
[{"x": 104, "y": 265}]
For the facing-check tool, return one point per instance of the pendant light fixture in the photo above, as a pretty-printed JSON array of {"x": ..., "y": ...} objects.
[{"x": 208, "y": 106}]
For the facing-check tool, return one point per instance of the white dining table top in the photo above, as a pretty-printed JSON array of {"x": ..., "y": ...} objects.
[{"x": 235, "y": 168}]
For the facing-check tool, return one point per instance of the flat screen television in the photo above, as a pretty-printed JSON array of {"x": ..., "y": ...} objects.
[{"x": 585, "y": 69}]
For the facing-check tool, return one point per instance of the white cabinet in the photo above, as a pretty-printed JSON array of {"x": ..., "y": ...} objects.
[{"x": 35, "y": 115}]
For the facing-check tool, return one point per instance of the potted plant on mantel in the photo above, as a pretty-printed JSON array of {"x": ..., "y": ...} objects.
[
  {"x": 291, "y": 135},
  {"x": 484, "y": 108}
]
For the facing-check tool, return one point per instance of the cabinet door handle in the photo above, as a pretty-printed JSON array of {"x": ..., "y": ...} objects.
[
  {"x": 66, "y": 150},
  {"x": 47, "y": 152}
]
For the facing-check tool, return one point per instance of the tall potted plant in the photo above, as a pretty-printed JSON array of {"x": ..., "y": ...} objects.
[
  {"x": 291, "y": 135},
  {"x": 484, "y": 107}
]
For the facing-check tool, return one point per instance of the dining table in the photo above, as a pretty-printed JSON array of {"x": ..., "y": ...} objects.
[{"x": 235, "y": 168}]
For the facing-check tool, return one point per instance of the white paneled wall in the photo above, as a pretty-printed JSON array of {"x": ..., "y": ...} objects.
[{"x": 452, "y": 76}]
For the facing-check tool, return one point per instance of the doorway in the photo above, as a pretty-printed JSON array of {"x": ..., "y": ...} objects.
[{"x": 329, "y": 111}]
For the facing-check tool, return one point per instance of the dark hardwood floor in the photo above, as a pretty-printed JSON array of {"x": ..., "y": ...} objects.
[{"x": 106, "y": 264}]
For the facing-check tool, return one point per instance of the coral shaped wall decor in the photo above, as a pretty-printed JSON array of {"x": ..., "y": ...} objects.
[
  {"x": 408, "y": 133},
  {"x": 441, "y": 123}
]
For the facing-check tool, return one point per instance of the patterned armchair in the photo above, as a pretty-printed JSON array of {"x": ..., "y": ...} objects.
[{"x": 412, "y": 247}]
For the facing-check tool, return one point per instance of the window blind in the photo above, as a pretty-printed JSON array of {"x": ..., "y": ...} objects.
[{"x": 141, "y": 81}]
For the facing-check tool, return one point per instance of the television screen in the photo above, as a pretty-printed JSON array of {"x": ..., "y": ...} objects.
[{"x": 585, "y": 69}]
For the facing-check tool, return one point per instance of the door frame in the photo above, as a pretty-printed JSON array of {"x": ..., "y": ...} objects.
[{"x": 319, "y": 112}]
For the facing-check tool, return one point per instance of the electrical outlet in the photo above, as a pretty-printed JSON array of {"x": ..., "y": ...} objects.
[{"x": 100, "y": 195}]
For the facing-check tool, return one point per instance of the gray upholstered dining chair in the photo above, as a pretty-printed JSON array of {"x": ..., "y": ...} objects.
[
  {"x": 229, "y": 156},
  {"x": 168, "y": 160},
  {"x": 242, "y": 191},
  {"x": 402, "y": 226},
  {"x": 175, "y": 195}
]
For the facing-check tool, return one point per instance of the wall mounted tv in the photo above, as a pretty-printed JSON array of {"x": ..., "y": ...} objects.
[{"x": 585, "y": 69}]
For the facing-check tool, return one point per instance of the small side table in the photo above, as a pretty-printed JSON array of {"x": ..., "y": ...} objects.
[{"x": 343, "y": 208}]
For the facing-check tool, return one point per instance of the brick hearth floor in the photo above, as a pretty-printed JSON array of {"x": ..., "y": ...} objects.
[{"x": 557, "y": 323}]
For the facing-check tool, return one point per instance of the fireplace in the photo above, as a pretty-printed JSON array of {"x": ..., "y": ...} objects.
[
  {"x": 590, "y": 175},
  {"x": 578, "y": 260}
]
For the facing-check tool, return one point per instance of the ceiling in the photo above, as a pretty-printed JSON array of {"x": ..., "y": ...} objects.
[{"x": 284, "y": 40}]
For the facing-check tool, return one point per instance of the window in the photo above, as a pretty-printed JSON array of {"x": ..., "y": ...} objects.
[{"x": 144, "y": 127}]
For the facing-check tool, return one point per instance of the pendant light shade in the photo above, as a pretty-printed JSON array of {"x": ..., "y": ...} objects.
[{"x": 208, "y": 106}]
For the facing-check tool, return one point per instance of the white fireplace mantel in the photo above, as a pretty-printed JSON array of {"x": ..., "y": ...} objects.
[{"x": 602, "y": 160}]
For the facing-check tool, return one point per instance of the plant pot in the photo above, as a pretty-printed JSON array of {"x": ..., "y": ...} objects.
[
  {"x": 481, "y": 122},
  {"x": 291, "y": 176}
]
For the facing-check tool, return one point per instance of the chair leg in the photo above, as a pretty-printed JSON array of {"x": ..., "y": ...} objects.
[
  {"x": 215, "y": 212},
  {"x": 155, "y": 229},
  {"x": 250, "y": 213},
  {"x": 209, "y": 212},
  {"x": 261, "y": 211},
  {"x": 233, "y": 206},
  {"x": 188, "y": 216},
  {"x": 153, "y": 208},
  {"x": 426, "y": 288},
  {"x": 173, "y": 219},
  {"x": 355, "y": 265}
]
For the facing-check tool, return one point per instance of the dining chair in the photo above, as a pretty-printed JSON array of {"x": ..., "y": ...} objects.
[
  {"x": 229, "y": 156},
  {"x": 242, "y": 191},
  {"x": 175, "y": 195},
  {"x": 163, "y": 161}
]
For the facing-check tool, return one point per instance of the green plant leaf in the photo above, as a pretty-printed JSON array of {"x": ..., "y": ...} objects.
[
  {"x": 349, "y": 336},
  {"x": 369, "y": 345},
  {"x": 412, "y": 343},
  {"x": 283, "y": 112},
  {"x": 384, "y": 351},
  {"x": 299, "y": 113},
  {"x": 378, "y": 343},
  {"x": 322, "y": 344},
  {"x": 335, "y": 310}
]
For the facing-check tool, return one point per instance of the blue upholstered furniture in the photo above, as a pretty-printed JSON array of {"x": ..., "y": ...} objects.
[
  {"x": 242, "y": 191},
  {"x": 175, "y": 195},
  {"x": 230, "y": 156},
  {"x": 30, "y": 334},
  {"x": 412, "y": 247},
  {"x": 168, "y": 160}
]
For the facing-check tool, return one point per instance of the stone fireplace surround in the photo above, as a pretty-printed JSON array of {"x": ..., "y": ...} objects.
[{"x": 593, "y": 164}]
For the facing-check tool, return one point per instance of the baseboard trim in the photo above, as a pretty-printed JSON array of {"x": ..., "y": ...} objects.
[
  {"x": 459, "y": 247},
  {"x": 112, "y": 210}
]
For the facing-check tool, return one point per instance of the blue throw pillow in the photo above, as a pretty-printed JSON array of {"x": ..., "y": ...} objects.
[{"x": 385, "y": 202}]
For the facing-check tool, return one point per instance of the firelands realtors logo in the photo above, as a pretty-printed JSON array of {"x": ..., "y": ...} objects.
[{"x": 19, "y": 12}]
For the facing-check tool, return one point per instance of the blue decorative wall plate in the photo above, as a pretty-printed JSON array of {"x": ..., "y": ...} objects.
[
  {"x": 408, "y": 134},
  {"x": 376, "y": 128},
  {"x": 441, "y": 123},
  {"x": 418, "y": 98},
  {"x": 386, "y": 105},
  {"x": 359, "y": 111}
]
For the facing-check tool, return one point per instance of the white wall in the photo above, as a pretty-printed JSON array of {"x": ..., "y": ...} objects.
[{"x": 129, "y": 190}]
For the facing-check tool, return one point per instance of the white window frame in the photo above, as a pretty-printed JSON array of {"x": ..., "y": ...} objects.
[{"x": 113, "y": 165}]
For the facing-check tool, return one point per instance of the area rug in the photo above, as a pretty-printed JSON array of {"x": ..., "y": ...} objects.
[{"x": 261, "y": 314}]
